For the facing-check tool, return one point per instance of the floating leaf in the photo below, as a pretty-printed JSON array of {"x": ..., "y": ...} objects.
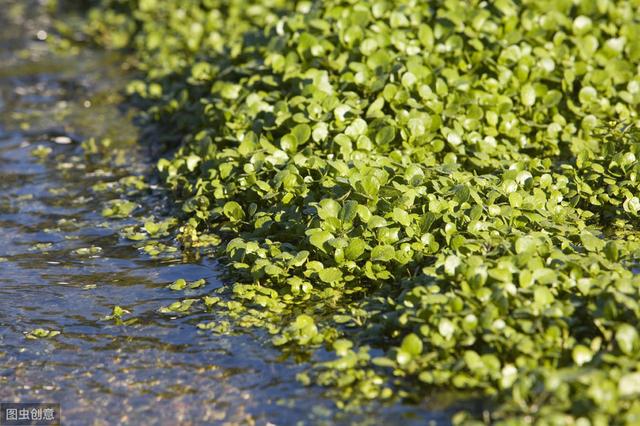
[{"x": 41, "y": 333}]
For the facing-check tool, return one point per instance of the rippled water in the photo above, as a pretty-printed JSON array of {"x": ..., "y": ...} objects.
[{"x": 162, "y": 369}]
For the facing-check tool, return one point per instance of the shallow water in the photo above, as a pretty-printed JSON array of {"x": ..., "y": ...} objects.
[{"x": 161, "y": 369}]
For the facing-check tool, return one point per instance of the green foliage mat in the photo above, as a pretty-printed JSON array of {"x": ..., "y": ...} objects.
[{"x": 444, "y": 193}]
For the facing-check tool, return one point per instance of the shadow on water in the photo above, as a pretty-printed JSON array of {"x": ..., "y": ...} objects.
[{"x": 63, "y": 266}]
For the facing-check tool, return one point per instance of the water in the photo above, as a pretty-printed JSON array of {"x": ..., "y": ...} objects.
[{"x": 162, "y": 369}]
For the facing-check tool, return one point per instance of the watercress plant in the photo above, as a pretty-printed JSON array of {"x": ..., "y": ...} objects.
[{"x": 445, "y": 193}]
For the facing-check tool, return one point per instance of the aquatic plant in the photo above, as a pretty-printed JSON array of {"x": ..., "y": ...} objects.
[
  {"x": 444, "y": 193},
  {"x": 41, "y": 333}
]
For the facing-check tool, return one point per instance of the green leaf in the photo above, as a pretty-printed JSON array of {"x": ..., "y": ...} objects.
[
  {"x": 151, "y": 228},
  {"x": 233, "y": 211},
  {"x": 451, "y": 263},
  {"x": 611, "y": 251},
  {"x": 543, "y": 296},
  {"x": 629, "y": 385},
  {"x": 355, "y": 249},
  {"x": 302, "y": 133},
  {"x": 627, "y": 339},
  {"x": 330, "y": 275},
  {"x": 528, "y": 95},
  {"x": 591, "y": 242},
  {"x": 328, "y": 208},
  {"x": 179, "y": 284},
  {"x": 41, "y": 333},
  {"x": 386, "y": 135},
  {"x": 348, "y": 211},
  {"x": 462, "y": 193},
  {"x": 526, "y": 244},
  {"x": 342, "y": 346},
  {"x": 581, "y": 355},
  {"x": 318, "y": 239},
  {"x": 446, "y": 328},
  {"x": 383, "y": 253},
  {"x": 412, "y": 345},
  {"x": 371, "y": 185},
  {"x": 289, "y": 143},
  {"x": 401, "y": 216},
  {"x": 192, "y": 162}
]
